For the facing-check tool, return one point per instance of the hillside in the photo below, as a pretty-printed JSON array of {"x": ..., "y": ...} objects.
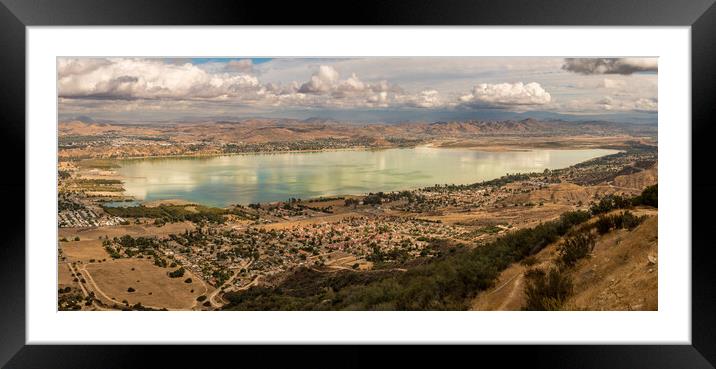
[{"x": 620, "y": 274}]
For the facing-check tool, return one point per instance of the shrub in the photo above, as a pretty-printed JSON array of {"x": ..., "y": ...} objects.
[
  {"x": 649, "y": 197},
  {"x": 201, "y": 298},
  {"x": 529, "y": 261},
  {"x": 610, "y": 202},
  {"x": 605, "y": 224},
  {"x": 188, "y": 280},
  {"x": 177, "y": 273},
  {"x": 630, "y": 221},
  {"x": 546, "y": 291},
  {"x": 575, "y": 247},
  {"x": 130, "y": 289},
  {"x": 625, "y": 220},
  {"x": 160, "y": 262}
]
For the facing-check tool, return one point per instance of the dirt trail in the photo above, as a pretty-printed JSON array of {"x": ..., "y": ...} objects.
[
  {"x": 507, "y": 293},
  {"x": 85, "y": 292},
  {"x": 511, "y": 298}
]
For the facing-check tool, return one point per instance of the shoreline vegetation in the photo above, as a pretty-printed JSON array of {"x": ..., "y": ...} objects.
[
  {"x": 213, "y": 155},
  {"x": 88, "y": 162}
]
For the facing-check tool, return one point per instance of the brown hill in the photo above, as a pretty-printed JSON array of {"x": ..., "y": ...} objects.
[
  {"x": 622, "y": 274},
  {"x": 638, "y": 180}
]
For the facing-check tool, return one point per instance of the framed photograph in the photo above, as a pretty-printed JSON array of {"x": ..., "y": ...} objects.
[{"x": 471, "y": 174}]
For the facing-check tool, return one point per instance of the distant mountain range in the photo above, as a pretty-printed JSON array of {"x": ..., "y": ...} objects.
[
  {"x": 271, "y": 130},
  {"x": 482, "y": 116}
]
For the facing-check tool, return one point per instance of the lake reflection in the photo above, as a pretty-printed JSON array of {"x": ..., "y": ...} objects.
[{"x": 243, "y": 179}]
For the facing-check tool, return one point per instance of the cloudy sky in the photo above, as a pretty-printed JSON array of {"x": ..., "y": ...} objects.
[{"x": 377, "y": 89}]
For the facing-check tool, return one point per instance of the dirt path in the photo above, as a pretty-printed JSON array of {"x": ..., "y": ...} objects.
[
  {"x": 507, "y": 295},
  {"x": 84, "y": 290},
  {"x": 514, "y": 291}
]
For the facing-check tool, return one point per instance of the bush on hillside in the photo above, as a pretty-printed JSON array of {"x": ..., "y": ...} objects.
[
  {"x": 575, "y": 247},
  {"x": 547, "y": 290},
  {"x": 648, "y": 197},
  {"x": 625, "y": 220},
  {"x": 609, "y": 203}
]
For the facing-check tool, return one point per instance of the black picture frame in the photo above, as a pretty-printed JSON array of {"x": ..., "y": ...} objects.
[{"x": 16, "y": 15}]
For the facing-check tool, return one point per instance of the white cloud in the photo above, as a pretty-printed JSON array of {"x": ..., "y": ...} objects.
[
  {"x": 506, "y": 94},
  {"x": 242, "y": 66},
  {"x": 148, "y": 79},
  {"x": 642, "y": 104},
  {"x": 136, "y": 84},
  {"x": 613, "y": 83},
  {"x": 610, "y": 65},
  {"x": 321, "y": 82},
  {"x": 423, "y": 99}
]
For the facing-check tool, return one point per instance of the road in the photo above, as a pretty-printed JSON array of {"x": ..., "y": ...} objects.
[{"x": 212, "y": 296}]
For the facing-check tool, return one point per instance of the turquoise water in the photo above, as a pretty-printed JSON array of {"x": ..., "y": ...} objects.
[{"x": 244, "y": 179}]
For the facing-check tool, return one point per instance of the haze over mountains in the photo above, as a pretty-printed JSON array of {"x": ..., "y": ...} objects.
[
  {"x": 369, "y": 117},
  {"x": 263, "y": 129}
]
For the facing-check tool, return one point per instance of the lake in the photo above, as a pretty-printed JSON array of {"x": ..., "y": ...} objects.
[{"x": 243, "y": 179}]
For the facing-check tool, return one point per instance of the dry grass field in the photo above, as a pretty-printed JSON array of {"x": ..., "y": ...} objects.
[
  {"x": 332, "y": 218},
  {"x": 64, "y": 276},
  {"x": 133, "y": 230},
  {"x": 83, "y": 250},
  {"x": 518, "y": 217},
  {"x": 152, "y": 286}
]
